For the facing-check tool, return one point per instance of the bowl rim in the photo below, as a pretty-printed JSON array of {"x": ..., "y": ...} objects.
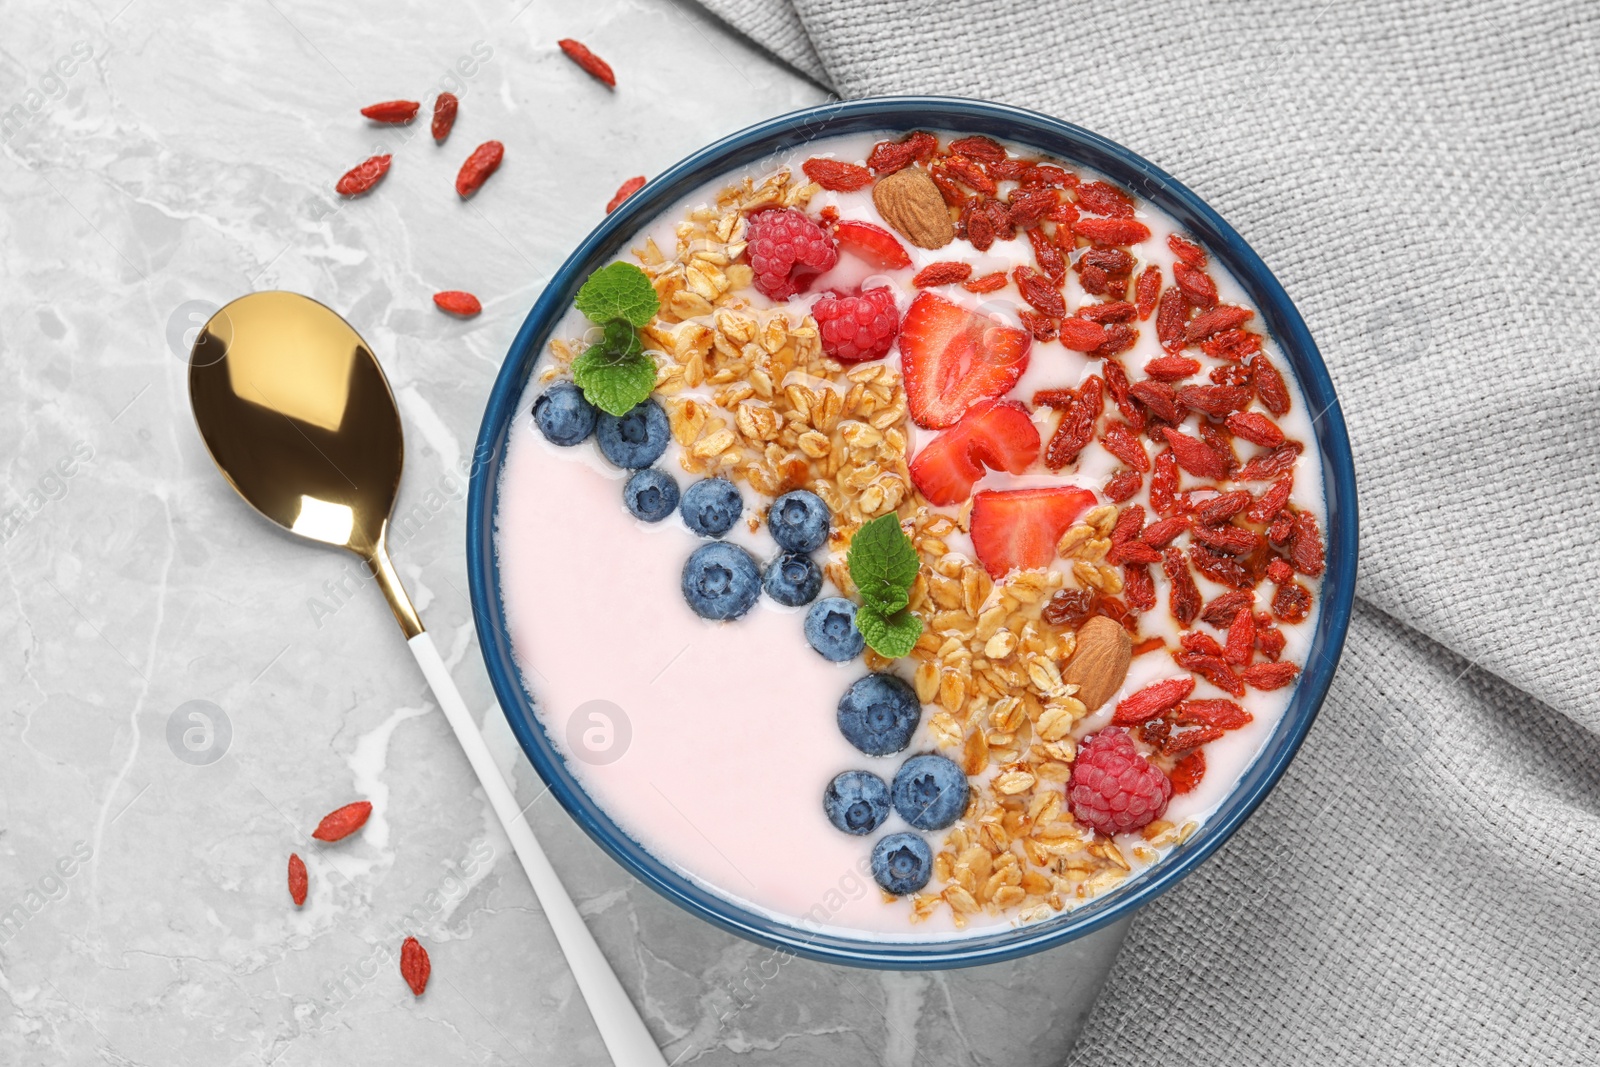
[{"x": 894, "y": 115}]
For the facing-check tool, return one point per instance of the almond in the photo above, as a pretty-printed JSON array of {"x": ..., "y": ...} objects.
[
  {"x": 910, "y": 202},
  {"x": 1100, "y": 665}
]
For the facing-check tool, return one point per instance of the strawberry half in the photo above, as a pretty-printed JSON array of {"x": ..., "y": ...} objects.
[
  {"x": 872, "y": 243},
  {"x": 952, "y": 358},
  {"x": 1018, "y": 529},
  {"x": 993, "y": 433}
]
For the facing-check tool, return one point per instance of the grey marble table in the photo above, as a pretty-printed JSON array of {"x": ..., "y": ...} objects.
[{"x": 186, "y": 691}]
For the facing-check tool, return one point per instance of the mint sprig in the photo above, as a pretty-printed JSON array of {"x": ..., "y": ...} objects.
[
  {"x": 620, "y": 291},
  {"x": 883, "y": 565},
  {"x": 615, "y": 375}
]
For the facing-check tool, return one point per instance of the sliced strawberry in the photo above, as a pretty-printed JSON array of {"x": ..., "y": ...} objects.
[
  {"x": 1019, "y": 528},
  {"x": 872, "y": 243},
  {"x": 952, "y": 358},
  {"x": 993, "y": 433}
]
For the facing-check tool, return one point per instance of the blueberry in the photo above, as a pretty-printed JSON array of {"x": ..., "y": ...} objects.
[
  {"x": 721, "y": 581},
  {"x": 651, "y": 494},
  {"x": 636, "y": 439},
  {"x": 856, "y": 802},
  {"x": 930, "y": 792},
  {"x": 563, "y": 415},
  {"x": 902, "y": 863},
  {"x": 799, "y": 521},
  {"x": 831, "y": 629},
  {"x": 878, "y": 714},
  {"x": 711, "y": 506},
  {"x": 792, "y": 579}
]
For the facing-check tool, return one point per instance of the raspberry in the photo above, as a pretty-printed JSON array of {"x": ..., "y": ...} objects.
[
  {"x": 785, "y": 249},
  {"x": 857, "y": 328},
  {"x": 1113, "y": 788}
]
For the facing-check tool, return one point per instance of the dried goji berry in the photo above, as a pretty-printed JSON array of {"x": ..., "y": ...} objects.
[
  {"x": 977, "y": 225},
  {"x": 1216, "y": 401},
  {"x": 1064, "y": 214},
  {"x": 1122, "y": 486},
  {"x": 1221, "y": 444},
  {"x": 1112, "y": 311},
  {"x": 1223, "y": 714},
  {"x": 1037, "y": 290},
  {"x": 625, "y": 190},
  {"x": 298, "y": 882},
  {"x": 1280, "y": 571},
  {"x": 1223, "y": 508},
  {"x": 1048, "y": 174},
  {"x": 946, "y": 272},
  {"x": 1187, "y": 772},
  {"x": 1158, "y": 396},
  {"x": 1200, "y": 642},
  {"x": 1119, "y": 338},
  {"x": 1224, "y": 317},
  {"x": 1028, "y": 206},
  {"x": 1269, "y": 384},
  {"x": 1270, "y": 675},
  {"x": 1147, "y": 290},
  {"x": 1048, "y": 255},
  {"x": 1112, "y": 231},
  {"x": 1292, "y": 602},
  {"x": 1104, "y": 199},
  {"x": 1269, "y": 465},
  {"x": 392, "y": 111},
  {"x": 890, "y": 156},
  {"x": 415, "y": 965},
  {"x": 968, "y": 173},
  {"x": 949, "y": 188},
  {"x": 1163, "y": 481},
  {"x": 1133, "y": 552},
  {"x": 979, "y": 147},
  {"x": 1122, "y": 443},
  {"x": 1151, "y": 701},
  {"x": 363, "y": 176},
  {"x": 1178, "y": 741},
  {"x": 1162, "y": 533},
  {"x": 986, "y": 284},
  {"x": 1059, "y": 399},
  {"x": 1213, "y": 669},
  {"x": 1138, "y": 587},
  {"x": 1184, "y": 594},
  {"x": 1195, "y": 456},
  {"x": 484, "y": 161},
  {"x": 1187, "y": 251},
  {"x": 1241, "y": 644},
  {"x": 1270, "y": 640},
  {"x": 343, "y": 822},
  {"x": 1077, "y": 425},
  {"x": 1081, "y": 335},
  {"x": 836, "y": 174},
  {"x": 457, "y": 302},
  {"x": 1043, "y": 327},
  {"x": 592, "y": 64},
  {"x": 1271, "y": 501},
  {"x": 1220, "y": 568},
  {"x": 1195, "y": 285},
  {"x": 1171, "y": 368},
  {"x": 1230, "y": 374},
  {"x": 1221, "y": 611},
  {"x": 1281, "y": 529},
  {"x": 1255, "y": 428},
  {"x": 1306, "y": 552},
  {"x": 445, "y": 106},
  {"x": 1117, "y": 385},
  {"x": 1231, "y": 345},
  {"x": 1172, "y": 314}
]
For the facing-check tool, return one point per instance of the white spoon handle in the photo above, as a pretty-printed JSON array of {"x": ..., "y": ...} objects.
[{"x": 621, "y": 1028}]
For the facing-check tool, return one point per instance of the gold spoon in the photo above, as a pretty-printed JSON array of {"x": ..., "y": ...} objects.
[{"x": 299, "y": 418}]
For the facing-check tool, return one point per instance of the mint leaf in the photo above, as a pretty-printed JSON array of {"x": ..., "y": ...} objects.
[
  {"x": 883, "y": 564},
  {"x": 890, "y": 636},
  {"x": 620, "y": 291},
  {"x": 615, "y": 375}
]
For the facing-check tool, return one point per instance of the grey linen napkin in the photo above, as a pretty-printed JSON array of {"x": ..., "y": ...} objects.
[{"x": 1422, "y": 886}]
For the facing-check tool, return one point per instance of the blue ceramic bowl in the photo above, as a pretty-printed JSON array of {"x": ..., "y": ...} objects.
[{"x": 898, "y": 114}]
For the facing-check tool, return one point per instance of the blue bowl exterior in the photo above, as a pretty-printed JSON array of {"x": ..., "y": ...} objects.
[{"x": 1051, "y": 137}]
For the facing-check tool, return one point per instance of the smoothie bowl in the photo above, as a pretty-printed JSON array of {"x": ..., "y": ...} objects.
[{"x": 912, "y": 532}]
